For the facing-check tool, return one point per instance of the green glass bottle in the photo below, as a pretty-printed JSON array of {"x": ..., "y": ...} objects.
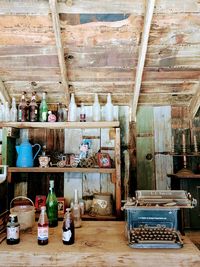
[
  {"x": 52, "y": 206},
  {"x": 43, "y": 112}
]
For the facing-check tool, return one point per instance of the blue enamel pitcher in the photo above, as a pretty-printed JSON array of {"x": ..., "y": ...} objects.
[{"x": 25, "y": 158}]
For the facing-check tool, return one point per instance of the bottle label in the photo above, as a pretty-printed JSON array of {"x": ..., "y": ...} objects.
[
  {"x": 13, "y": 232},
  {"x": 66, "y": 236},
  {"x": 43, "y": 233}
]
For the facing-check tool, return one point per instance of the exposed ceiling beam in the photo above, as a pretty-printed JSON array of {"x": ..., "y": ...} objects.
[
  {"x": 59, "y": 46},
  {"x": 41, "y": 7},
  {"x": 4, "y": 96},
  {"x": 195, "y": 102},
  {"x": 142, "y": 55}
]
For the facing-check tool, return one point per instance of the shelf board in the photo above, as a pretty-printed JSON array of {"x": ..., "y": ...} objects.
[
  {"x": 61, "y": 125},
  {"x": 57, "y": 169}
]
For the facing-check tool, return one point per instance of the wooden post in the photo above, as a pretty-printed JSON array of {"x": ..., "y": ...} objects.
[
  {"x": 118, "y": 172},
  {"x": 142, "y": 56},
  {"x": 59, "y": 46}
]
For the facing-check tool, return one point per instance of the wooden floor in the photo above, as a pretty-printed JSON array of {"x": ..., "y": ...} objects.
[{"x": 194, "y": 236}]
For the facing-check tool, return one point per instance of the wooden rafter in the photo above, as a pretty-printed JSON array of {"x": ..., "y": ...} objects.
[
  {"x": 59, "y": 46},
  {"x": 195, "y": 102},
  {"x": 4, "y": 96},
  {"x": 142, "y": 56}
]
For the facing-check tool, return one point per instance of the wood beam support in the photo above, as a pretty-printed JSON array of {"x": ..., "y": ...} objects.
[
  {"x": 4, "y": 96},
  {"x": 142, "y": 55},
  {"x": 56, "y": 26},
  {"x": 195, "y": 102}
]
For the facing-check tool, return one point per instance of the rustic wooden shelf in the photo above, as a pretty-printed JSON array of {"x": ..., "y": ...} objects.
[{"x": 61, "y": 125}]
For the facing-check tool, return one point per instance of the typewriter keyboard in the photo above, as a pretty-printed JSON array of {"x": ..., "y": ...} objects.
[{"x": 155, "y": 237}]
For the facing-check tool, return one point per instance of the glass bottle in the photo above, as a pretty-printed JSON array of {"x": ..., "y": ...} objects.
[
  {"x": 96, "y": 110},
  {"x": 72, "y": 115},
  {"x": 60, "y": 115},
  {"x": 82, "y": 113},
  {"x": 109, "y": 109},
  {"x": 43, "y": 228},
  {"x": 33, "y": 109},
  {"x": 76, "y": 210},
  {"x": 43, "y": 110},
  {"x": 68, "y": 233},
  {"x": 1, "y": 112},
  {"x": 13, "y": 111},
  {"x": 52, "y": 206},
  {"x": 22, "y": 109},
  {"x": 13, "y": 228},
  {"x": 7, "y": 112}
]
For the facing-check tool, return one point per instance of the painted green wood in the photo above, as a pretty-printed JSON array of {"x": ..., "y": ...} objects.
[{"x": 145, "y": 149}]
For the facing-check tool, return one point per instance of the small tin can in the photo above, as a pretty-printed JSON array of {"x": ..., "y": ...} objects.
[{"x": 13, "y": 229}]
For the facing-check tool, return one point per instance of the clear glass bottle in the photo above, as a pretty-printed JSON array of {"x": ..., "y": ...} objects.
[
  {"x": 13, "y": 230},
  {"x": 13, "y": 110},
  {"x": 52, "y": 206},
  {"x": 68, "y": 233},
  {"x": 72, "y": 112},
  {"x": 22, "y": 114},
  {"x": 96, "y": 109},
  {"x": 1, "y": 112},
  {"x": 76, "y": 210},
  {"x": 82, "y": 113},
  {"x": 7, "y": 112},
  {"x": 43, "y": 228},
  {"x": 43, "y": 110},
  {"x": 109, "y": 109},
  {"x": 60, "y": 115},
  {"x": 33, "y": 109}
]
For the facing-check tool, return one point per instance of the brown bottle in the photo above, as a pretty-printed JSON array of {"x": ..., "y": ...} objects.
[
  {"x": 33, "y": 109},
  {"x": 68, "y": 228},
  {"x": 13, "y": 229},
  {"x": 22, "y": 114},
  {"x": 43, "y": 228}
]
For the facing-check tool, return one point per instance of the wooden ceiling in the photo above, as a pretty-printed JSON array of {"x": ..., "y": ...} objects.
[{"x": 151, "y": 57}]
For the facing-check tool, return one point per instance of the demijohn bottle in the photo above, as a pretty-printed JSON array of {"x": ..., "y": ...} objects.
[
  {"x": 43, "y": 227},
  {"x": 68, "y": 228},
  {"x": 52, "y": 206},
  {"x": 43, "y": 110}
]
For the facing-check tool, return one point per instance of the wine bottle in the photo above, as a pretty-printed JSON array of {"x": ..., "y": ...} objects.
[
  {"x": 72, "y": 115},
  {"x": 52, "y": 206},
  {"x": 109, "y": 109},
  {"x": 76, "y": 210},
  {"x": 13, "y": 111},
  {"x": 96, "y": 110},
  {"x": 22, "y": 109},
  {"x": 33, "y": 109},
  {"x": 43, "y": 110},
  {"x": 68, "y": 234},
  {"x": 43, "y": 227}
]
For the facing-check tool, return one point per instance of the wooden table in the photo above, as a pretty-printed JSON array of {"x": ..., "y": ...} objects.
[{"x": 97, "y": 243}]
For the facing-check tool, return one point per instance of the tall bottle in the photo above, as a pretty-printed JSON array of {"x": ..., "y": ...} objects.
[
  {"x": 43, "y": 228},
  {"x": 72, "y": 113},
  {"x": 68, "y": 228},
  {"x": 7, "y": 112},
  {"x": 52, "y": 206},
  {"x": 60, "y": 115},
  {"x": 82, "y": 113},
  {"x": 43, "y": 110},
  {"x": 13, "y": 111},
  {"x": 33, "y": 109},
  {"x": 109, "y": 109},
  {"x": 96, "y": 110},
  {"x": 76, "y": 210},
  {"x": 22, "y": 114}
]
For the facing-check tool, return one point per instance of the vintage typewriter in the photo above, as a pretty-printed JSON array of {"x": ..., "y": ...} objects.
[{"x": 152, "y": 218}]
